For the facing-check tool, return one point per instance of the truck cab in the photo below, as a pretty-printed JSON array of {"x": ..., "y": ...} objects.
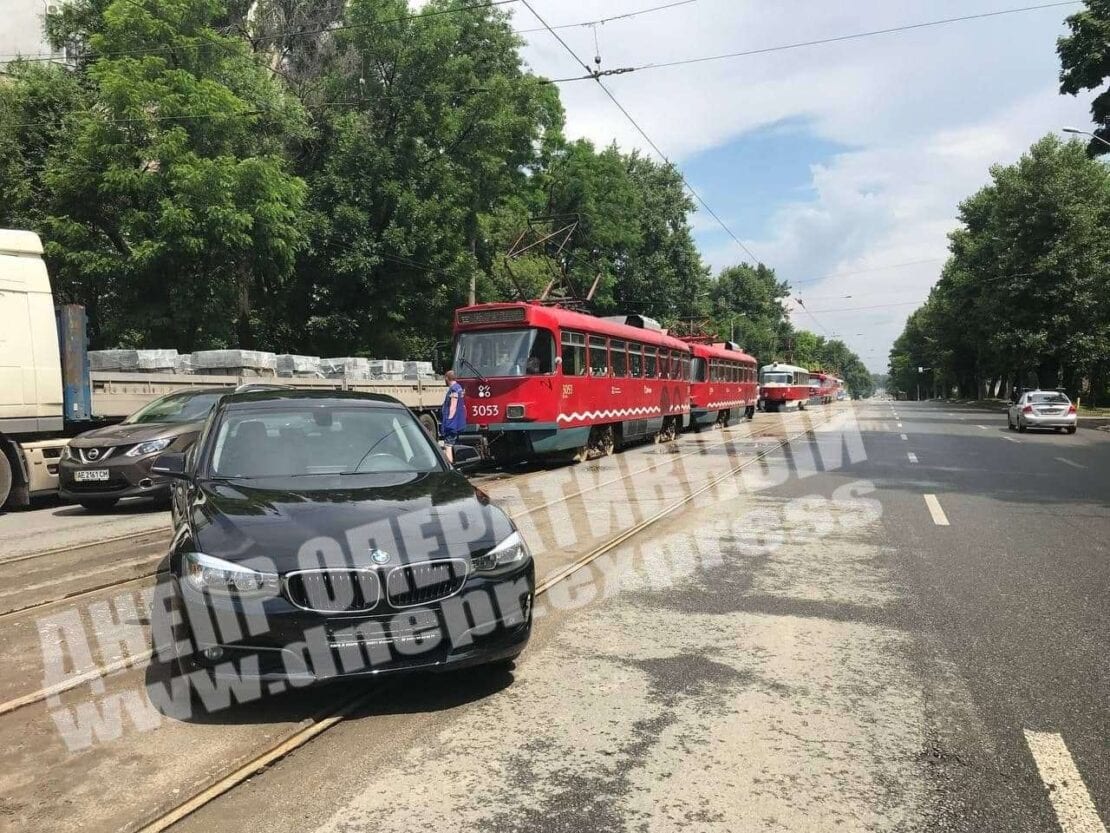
[{"x": 32, "y": 413}]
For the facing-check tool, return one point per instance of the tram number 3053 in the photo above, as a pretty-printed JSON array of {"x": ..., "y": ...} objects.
[{"x": 485, "y": 410}]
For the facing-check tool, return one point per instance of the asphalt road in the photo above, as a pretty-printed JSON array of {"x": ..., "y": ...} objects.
[
  {"x": 898, "y": 623},
  {"x": 849, "y": 664},
  {"x": 1013, "y": 600}
]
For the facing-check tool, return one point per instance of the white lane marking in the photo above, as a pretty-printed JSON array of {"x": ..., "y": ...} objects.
[
  {"x": 899, "y": 425},
  {"x": 1011, "y": 439},
  {"x": 904, "y": 437},
  {"x": 912, "y": 456},
  {"x": 939, "y": 518},
  {"x": 1068, "y": 462},
  {"x": 985, "y": 428},
  {"x": 1073, "y": 805}
]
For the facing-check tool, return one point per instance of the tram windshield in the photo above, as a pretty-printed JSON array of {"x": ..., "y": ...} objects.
[
  {"x": 778, "y": 378},
  {"x": 527, "y": 352}
]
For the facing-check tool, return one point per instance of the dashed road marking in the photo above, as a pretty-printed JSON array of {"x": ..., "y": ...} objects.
[
  {"x": 904, "y": 437},
  {"x": 1012, "y": 439},
  {"x": 984, "y": 427},
  {"x": 939, "y": 518},
  {"x": 899, "y": 425},
  {"x": 912, "y": 456},
  {"x": 1068, "y": 462},
  {"x": 1069, "y": 796}
]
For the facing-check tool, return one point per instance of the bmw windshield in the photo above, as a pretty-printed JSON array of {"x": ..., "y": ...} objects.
[{"x": 301, "y": 442}]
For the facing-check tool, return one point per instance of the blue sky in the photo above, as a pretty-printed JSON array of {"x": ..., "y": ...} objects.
[
  {"x": 846, "y": 159},
  {"x": 747, "y": 178}
]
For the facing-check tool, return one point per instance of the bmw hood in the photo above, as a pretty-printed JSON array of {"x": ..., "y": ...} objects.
[{"x": 333, "y": 520}]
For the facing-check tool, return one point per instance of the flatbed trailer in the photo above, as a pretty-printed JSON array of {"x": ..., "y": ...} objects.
[{"x": 115, "y": 395}]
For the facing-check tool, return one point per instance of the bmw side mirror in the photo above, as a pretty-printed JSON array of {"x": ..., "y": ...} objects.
[
  {"x": 171, "y": 464},
  {"x": 466, "y": 457}
]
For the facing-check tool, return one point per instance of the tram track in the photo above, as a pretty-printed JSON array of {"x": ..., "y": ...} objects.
[
  {"x": 137, "y": 659},
  {"x": 330, "y": 717}
]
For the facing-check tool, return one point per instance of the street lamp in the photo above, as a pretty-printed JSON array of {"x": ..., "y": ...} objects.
[
  {"x": 1079, "y": 132},
  {"x": 920, "y": 370}
]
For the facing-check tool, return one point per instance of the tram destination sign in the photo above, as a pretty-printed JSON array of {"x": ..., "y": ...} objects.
[{"x": 491, "y": 316}]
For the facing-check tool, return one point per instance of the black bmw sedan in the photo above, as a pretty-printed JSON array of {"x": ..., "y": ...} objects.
[{"x": 322, "y": 535}]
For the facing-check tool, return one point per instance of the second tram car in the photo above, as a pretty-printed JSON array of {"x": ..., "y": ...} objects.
[
  {"x": 823, "y": 387},
  {"x": 545, "y": 381},
  {"x": 724, "y": 383},
  {"x": 783, "y": 386}
]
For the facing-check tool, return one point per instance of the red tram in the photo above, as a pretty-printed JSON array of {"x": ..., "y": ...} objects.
[
  {"x": 549, "y": 381},
  {"x": 824, "y": 387},
  {"x": 724, "y": 383},
  {"x": 783, "y": 386}
]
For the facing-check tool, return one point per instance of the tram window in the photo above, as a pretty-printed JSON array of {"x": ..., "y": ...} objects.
[
  {"x": 635, "y": 360},
  {"x": 574, "y": 354},
  {"x": 649, "y": 362},
  {"x": 504, "y": 353},
  {"x": 700, "y": 372},
  {"x": 599, "y": 357},
  {"x": 733, "y": 373},
  {"x": 619, "y": 356}
]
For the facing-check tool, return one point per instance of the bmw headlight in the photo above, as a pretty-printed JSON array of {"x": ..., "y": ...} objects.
[
  {"x": 149, "y": 447},
  {"x": 206, "y": 574},
  {"x": 508, "y": 554}
]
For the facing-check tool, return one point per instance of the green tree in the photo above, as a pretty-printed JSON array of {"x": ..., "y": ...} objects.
[
  {"x": 747, "y": 306},
  {"x": 436, "y": 126},
  {"x": 36, "y": 103},
  {"x": 1023, "y": 299},
  {"x": 1085, "y": 64},
  {"x": 173, "y": 215}
]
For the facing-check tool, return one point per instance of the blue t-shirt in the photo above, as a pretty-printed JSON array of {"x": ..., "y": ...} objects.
[{"x": 458, "y": 422}]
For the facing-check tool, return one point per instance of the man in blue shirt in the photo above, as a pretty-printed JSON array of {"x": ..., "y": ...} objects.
[{"x": 453, "y": 417}]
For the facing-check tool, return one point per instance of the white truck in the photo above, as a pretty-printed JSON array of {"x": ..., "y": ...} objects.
[
  {"x": 48, "y": 394},
  {"x": 32, "y": 421}
]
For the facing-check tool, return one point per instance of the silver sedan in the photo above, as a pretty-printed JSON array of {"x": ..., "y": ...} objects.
[{"x": 1043, "y": 409}]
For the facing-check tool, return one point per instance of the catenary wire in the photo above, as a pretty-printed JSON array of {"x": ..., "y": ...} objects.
[{"x": 817, "y": 42}]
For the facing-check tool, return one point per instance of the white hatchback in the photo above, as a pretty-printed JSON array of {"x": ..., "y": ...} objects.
[{"x": 1043, "y": 409}]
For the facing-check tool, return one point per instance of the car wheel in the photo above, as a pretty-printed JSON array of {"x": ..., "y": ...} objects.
[
  {"x": 1071, "y": 429},
  {"x": 99, "y": 504},
  {"x": 1022, "y": 427},
  {"x": 5, "y": 477}
]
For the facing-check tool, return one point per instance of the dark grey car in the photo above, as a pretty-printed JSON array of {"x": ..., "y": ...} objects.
[{"x": 103, "y": 465}]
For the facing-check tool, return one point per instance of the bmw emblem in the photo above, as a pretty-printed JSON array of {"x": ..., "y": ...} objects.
[{"x": 379, "y": 556}]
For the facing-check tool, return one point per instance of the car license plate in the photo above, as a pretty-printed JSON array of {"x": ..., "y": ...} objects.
[{"x": 86, "y": 475}]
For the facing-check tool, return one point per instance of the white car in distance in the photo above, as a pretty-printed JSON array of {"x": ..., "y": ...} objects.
[{"x": 1043, "y": 409}]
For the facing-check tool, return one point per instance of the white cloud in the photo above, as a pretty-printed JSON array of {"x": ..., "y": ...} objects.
[{"x": 925, "y": 113}]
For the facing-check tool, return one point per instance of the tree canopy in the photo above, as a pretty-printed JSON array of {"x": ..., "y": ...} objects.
[
  {"x": 1024, "y": 298},
  {"x": 1085, "y": 64}
]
